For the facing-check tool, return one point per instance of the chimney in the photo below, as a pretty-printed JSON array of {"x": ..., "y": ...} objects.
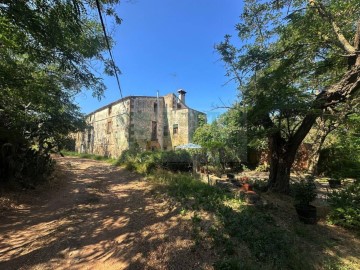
[{"x": 182, "y": 93}]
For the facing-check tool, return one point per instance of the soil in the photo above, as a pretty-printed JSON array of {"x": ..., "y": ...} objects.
[{"x": 95, "y": 216}]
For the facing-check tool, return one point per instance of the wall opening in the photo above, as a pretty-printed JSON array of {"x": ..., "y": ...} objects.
[
  {"x": 108, "y": 127},
  {"x": 175, "y": 129},
  {"x": 153, "y": 131}
]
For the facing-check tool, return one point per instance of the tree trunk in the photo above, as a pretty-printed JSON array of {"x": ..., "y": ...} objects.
[
  {"x": 282, "y": 157},
  {"x": 283, "y": 152},
  {"x": 314, "y": 158}
]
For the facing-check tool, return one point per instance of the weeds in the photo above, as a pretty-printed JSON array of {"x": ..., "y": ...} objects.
[
  {"x": 89, "y": 156},
  {"x": 346, "y": 207}
]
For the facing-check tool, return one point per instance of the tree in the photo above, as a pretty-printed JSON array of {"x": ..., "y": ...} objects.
[
  {"x": 47, "y": 52},
  {"x": 297, "y": 59},
  {"x": 224, "y": 138}
]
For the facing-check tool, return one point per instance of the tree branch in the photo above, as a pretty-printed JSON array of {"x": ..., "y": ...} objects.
[{"x": 326, "y": 15}]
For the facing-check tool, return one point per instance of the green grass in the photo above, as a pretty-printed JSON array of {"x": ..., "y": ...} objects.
[{"x": 89, "y": 156}]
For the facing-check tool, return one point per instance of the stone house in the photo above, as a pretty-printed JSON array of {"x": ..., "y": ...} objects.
[{"x": 143, "y": 121}]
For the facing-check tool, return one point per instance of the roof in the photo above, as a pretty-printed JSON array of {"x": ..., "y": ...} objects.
[{"x": 130, "y": 97}]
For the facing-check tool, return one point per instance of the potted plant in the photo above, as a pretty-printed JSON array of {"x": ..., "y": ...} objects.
[{"x": 304, "y": 193}]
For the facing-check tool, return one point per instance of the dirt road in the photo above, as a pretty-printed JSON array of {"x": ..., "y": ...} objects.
[{"x": 96, "y": 216}]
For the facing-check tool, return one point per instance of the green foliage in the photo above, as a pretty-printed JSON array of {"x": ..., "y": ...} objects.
[
  {"x": 304, "y": 191},
  {"x": 89, "y": 156},
  {"x": 224, "y": 141},
  {"x": 147, "y": 162},
  {"x": 342, "y": 157},
  {"x": 345, "y": 206},
  {"x": 290, "y": 58},
  {"x": 262, "y": 168},
  {"x": 236, "y": 225},
  {"x": 46, "y": 53},
  {"x": 24, "y": 167}
]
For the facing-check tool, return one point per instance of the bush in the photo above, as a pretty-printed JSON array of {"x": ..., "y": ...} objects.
[
  {"x": 147, "y": 162},
  {"x": 338, "y": 161},
  {"x": 345, "y": 206},
  {"x": 304, "y": 191},
  {"x": 23, "y": 166}
]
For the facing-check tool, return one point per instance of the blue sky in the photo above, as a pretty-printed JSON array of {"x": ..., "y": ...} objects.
[{"x": 164, "y": 45}]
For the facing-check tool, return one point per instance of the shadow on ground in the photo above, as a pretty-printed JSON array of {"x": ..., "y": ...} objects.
[{"x": 99, "y": 217}]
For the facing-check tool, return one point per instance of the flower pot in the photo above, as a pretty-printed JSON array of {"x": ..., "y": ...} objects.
[
  {"x": 334, "y": 183},
  {"x": 306, "y": 213}
]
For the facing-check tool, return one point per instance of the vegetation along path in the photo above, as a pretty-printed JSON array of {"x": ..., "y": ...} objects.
[{"x": 95, "y": 216}]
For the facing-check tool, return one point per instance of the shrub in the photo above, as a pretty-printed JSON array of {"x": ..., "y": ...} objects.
[
  {"x": 147, "y": 162},
  {"x": 345, "y": 206},
  {"x": 23, "y": 166},
  {"x": 262, "y": 168},
  {"x": 338, "y": 161},
  {"x": 304, "y": 191}
]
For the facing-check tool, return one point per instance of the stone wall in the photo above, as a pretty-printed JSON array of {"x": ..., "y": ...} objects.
[
  {"x": 108, "y": 131},
  {"x": 146, "y": 122}
]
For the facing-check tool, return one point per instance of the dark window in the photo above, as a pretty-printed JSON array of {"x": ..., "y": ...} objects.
[
  {"x": 89, "y": 137},
  {"x": 155, "y": 107},
  {"x": 166, "y": 131},
  {"x": 175, "y": 129},
  {"x": 109, "y": 110},
  {"x": 153, "y": 130},
  {"x": 109, "y": 127}
]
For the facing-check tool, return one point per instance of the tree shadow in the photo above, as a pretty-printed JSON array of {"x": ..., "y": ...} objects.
[{"x": 103, "y": 215}]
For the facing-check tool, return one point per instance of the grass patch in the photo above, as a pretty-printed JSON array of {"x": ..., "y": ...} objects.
[
  {"x": 244, "y": 236},
  {"x": 89, "y": 156},
  {"x": 236, "y": 224}
]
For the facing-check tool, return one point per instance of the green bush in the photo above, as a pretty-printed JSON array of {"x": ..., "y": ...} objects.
[
  {"x": 23, "y": 166},
  {"x": 147, "y": 162},
  {"x": 337, "y": 161},
  {"x": 345, "y": 206},
  {"x": 304, "y": 191}
]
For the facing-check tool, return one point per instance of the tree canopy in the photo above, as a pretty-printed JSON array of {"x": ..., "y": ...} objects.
[
  {"x": 47, "y": 55},
  {"x": 297, "y": 60}
]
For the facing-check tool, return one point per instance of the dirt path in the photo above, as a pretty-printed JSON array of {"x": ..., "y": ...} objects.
[{"x": 97, "y": 217}]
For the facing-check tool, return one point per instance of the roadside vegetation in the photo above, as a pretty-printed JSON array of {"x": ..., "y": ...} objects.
[
  {"x": 48, "y": 54},
  {"x": 266, "y": 235}
]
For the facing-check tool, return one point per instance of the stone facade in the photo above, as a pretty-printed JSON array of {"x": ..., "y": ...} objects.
[{"x": 146, "y": 122}]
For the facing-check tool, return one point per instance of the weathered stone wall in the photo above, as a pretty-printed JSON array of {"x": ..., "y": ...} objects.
[
  {"x": 108, "y": 132},
  {"x": 147, "y": 122},
  {"x": 194, "y": 119}
]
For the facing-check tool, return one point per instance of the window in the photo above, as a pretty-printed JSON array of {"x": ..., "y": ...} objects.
[
  {"x": 153, "y": 131},
  {"x": 109, "y": 110},
  {"x": 155, "y": 107},
  {"x": 166, "y": 131},
  {"x": 108, "y": 127},
  {"x": 175, "y": 129},
  {"x": 89, "y": 137}
]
